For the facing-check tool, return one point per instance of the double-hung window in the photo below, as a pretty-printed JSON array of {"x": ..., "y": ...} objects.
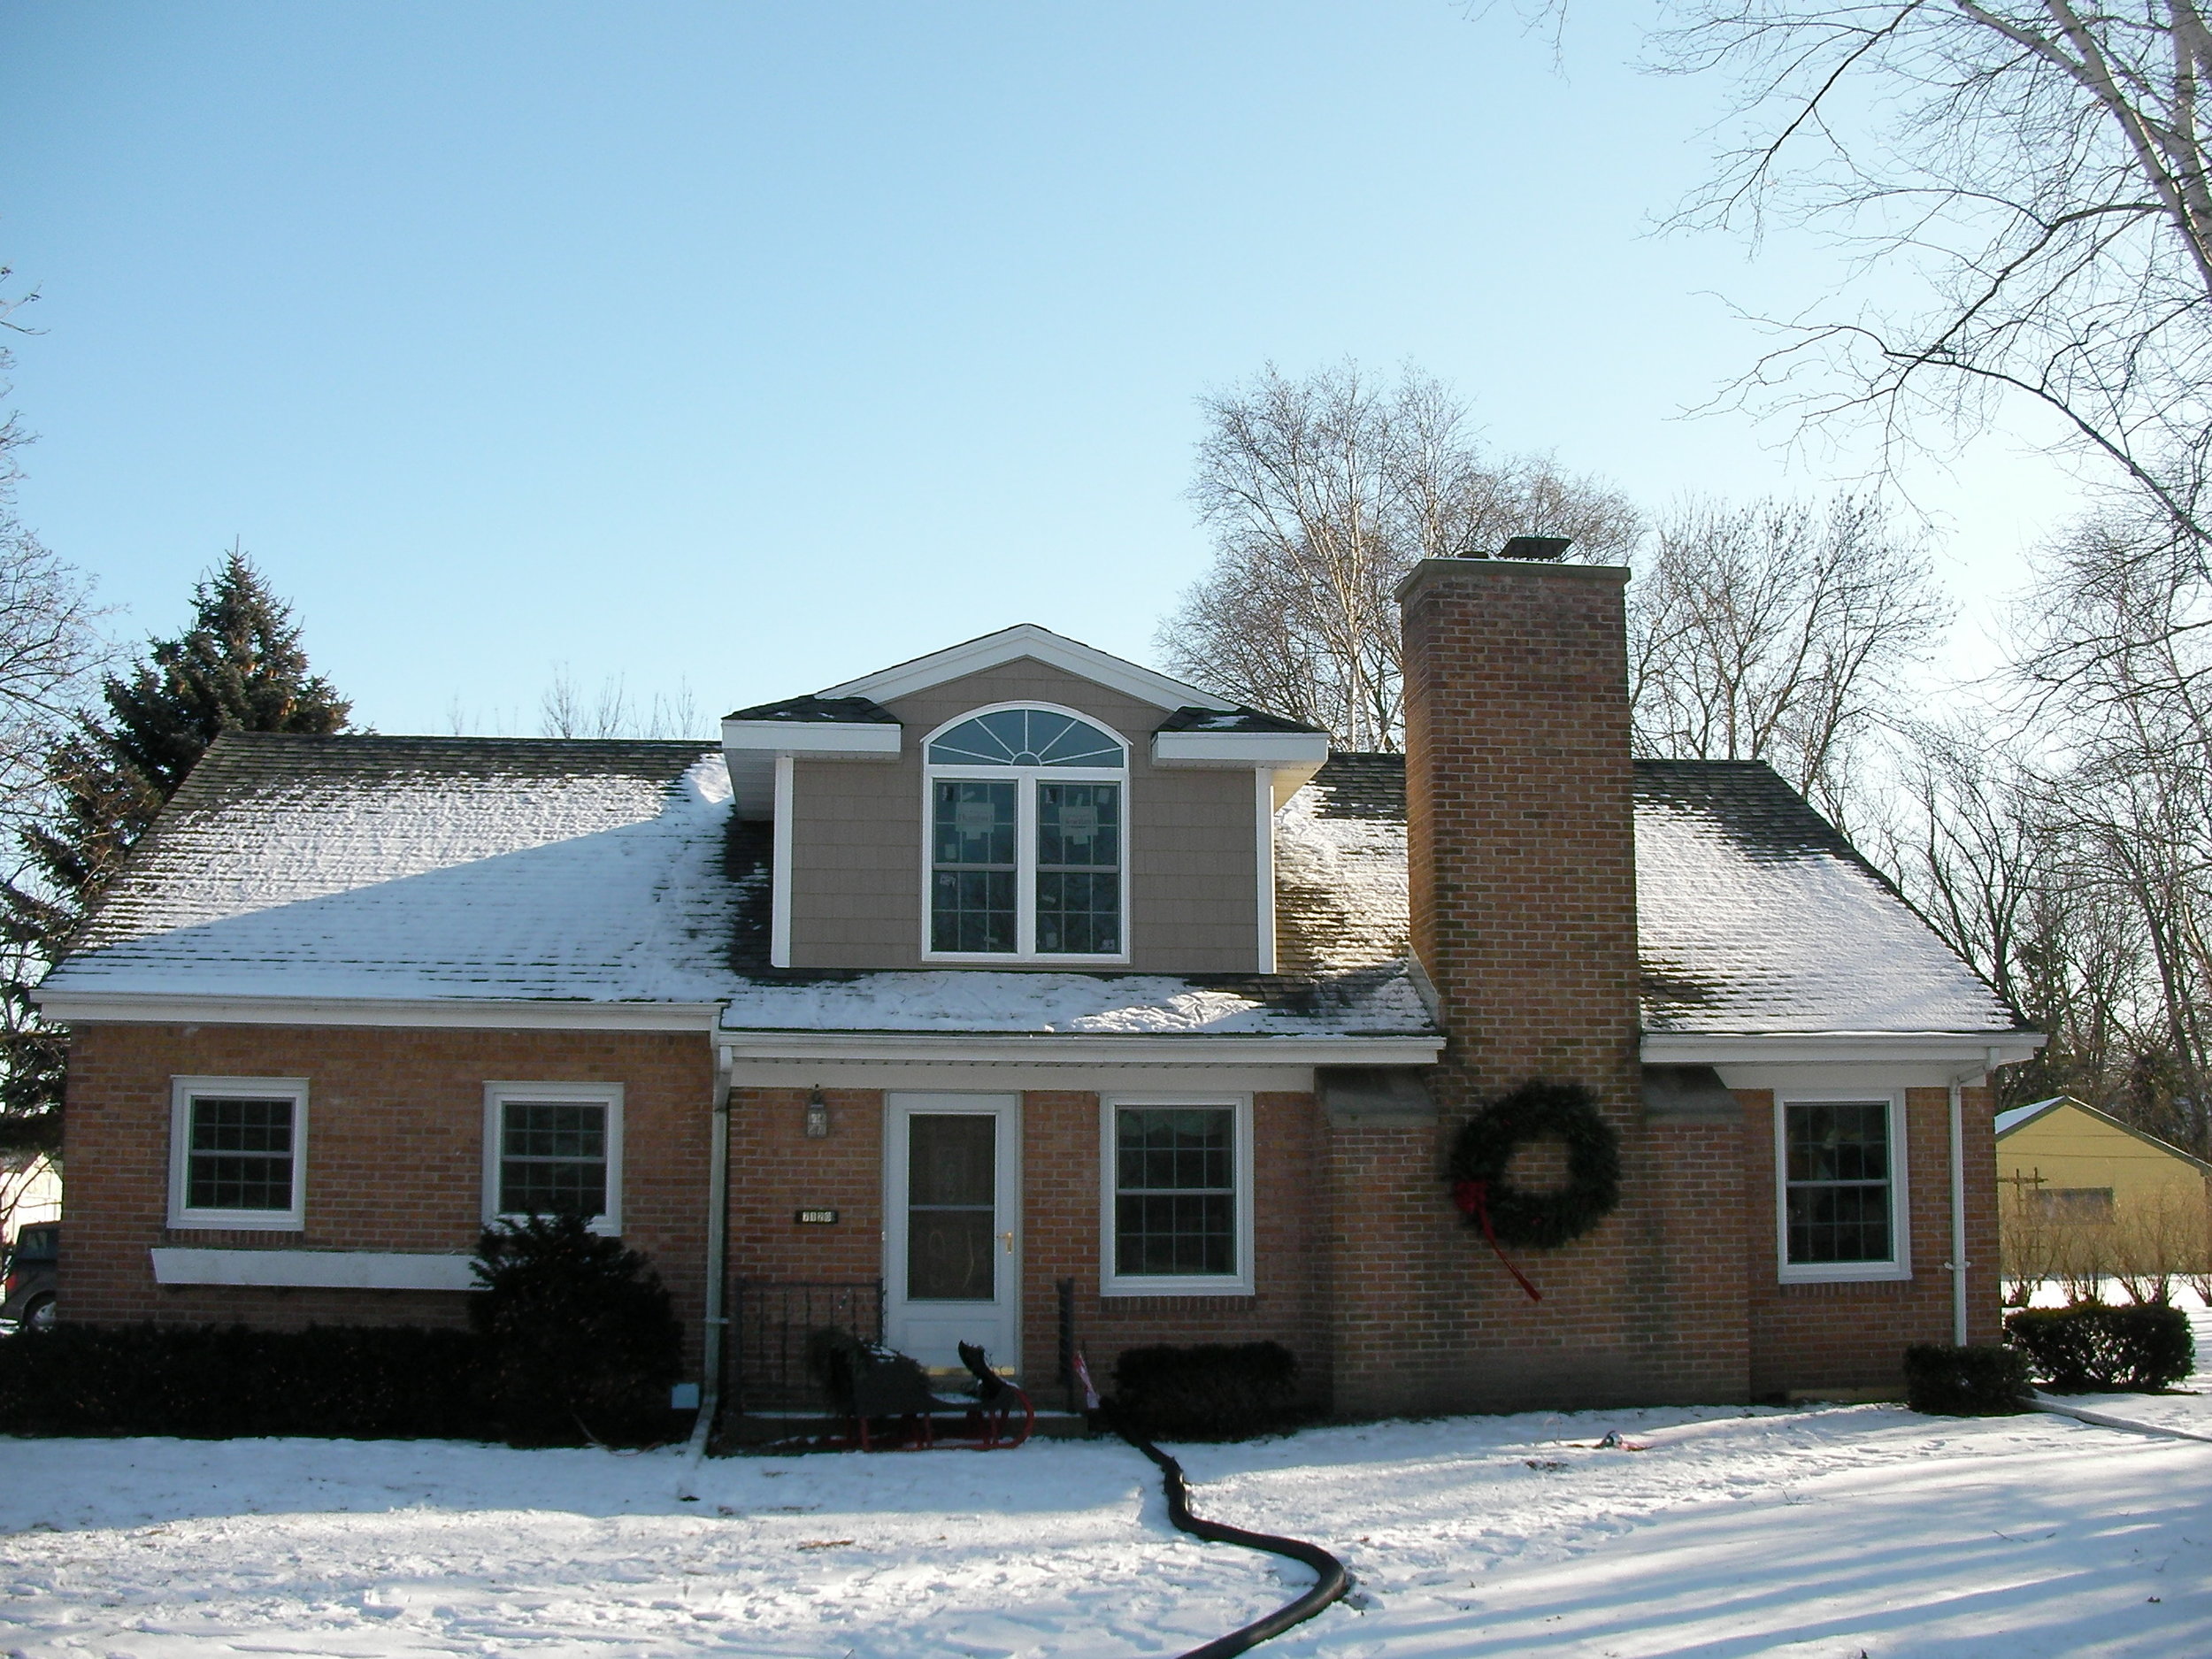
[
  {"x": 552, "y": 1148},
  {"x": 1177, "y": 1208},
  {"x": 237, "y": 1153},
  {"x": 1841, "y": 1188},
  {"x": 1028, "y": 832}
]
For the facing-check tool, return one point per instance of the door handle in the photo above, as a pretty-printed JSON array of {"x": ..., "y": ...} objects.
[{"x": 1010, "y": 1242}]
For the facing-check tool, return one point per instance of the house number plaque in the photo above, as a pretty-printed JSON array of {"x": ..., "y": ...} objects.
[{"x": 817, "y": 1217}]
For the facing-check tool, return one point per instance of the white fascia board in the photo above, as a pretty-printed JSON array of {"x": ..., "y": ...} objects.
[
  {"x": 1280, "y": 751},
  {"x": 1047, "y": 1049},
  {"x": 1010, "y": 645},
  {"x": 75, "y": 1008},
  {"x": 1859, "y": 1048},
  {"x": 325, "y": 1270},
  {"x": 814, "y": 740}
]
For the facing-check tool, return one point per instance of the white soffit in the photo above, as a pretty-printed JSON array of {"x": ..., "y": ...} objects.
[
  {"x": 322, "y": 1270},
  {"x": 1027, "y": 639}
]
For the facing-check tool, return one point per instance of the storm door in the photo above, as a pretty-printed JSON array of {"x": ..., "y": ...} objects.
[{"x": 952, "y": 1257}]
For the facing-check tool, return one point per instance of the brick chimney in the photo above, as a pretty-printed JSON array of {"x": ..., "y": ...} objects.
[{"x": 1520, "y": 821}]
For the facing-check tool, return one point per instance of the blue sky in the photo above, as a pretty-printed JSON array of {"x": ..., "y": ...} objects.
[{"x": 752, "y": 347}]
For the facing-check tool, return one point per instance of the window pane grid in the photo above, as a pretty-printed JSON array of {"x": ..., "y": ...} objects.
[
  {"x": 972, "y": 880},
  {"x": 240, "y": 1155},
  {"x": 1175, "y": 1191},
  {"x": 1837, "y": 1180},
  {"x": 553, "y": 1158},
  {"x": 1079, "y": 872}
]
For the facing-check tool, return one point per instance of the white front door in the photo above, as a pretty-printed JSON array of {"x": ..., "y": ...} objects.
[{"x": 952, "y": 1244}]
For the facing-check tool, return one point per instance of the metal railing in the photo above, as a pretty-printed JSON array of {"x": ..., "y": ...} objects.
[{"x": 770, "y": 1322}]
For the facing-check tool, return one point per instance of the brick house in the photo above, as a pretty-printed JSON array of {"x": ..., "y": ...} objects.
[{"x": 1020, "y": 964}]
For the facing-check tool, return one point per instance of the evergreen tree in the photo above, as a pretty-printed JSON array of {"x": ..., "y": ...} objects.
[{"x": 238, "y": 667}]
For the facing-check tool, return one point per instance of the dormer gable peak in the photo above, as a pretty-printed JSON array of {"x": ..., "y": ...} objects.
[{"x": 1027, "y": 639}]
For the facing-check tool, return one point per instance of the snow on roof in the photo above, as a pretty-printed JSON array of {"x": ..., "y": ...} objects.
[
  {"x": 1756, "y": 915},
  {"x": 1340, "y": 868},
  {"x": 613, "y": 871},
  {"x": 1753, "y": 916},
  {"x": 1378, "y": 1002},
  {"x": 422, "y": 867}
]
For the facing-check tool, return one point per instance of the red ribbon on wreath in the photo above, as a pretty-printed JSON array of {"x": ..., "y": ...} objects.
[{"x": 1473, "y": 1199}]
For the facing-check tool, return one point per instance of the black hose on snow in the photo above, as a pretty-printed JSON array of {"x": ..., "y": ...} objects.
[{"x": 1330, "y": 1580}]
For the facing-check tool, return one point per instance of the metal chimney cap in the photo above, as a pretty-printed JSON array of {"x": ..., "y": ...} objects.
[{"x": 1549, "y": 548}]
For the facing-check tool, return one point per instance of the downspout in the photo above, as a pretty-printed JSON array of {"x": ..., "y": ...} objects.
[
  {"x": 1958, "y": 1263},
  {"x": 718, "y": 1251}
]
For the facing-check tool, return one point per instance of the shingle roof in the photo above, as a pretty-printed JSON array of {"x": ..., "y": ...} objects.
[
  {"x": 819, "y": 712},
  {"x": 614, "y": 871},
  {"x": 1232, "y": 720},
  {"x": 1754, "y": 915},
  {"x": 419, "y": 867}
]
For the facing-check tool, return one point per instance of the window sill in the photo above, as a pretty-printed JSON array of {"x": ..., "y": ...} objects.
[
  {"x": 1193, "y": 1286},
  {"x": 1845, "y": 1273},
  {"x": 237, "y": 1221},
  {"x": 1009, "y": 959}
]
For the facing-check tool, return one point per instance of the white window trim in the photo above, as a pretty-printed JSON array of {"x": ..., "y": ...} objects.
[
  {"x": 182, "y": 1091},
  {"x": 1025, "y": 780},
  {"x": 1900, "y": 1265},
  {"x": 608, "y": 1094},
  {"x": 1241, "y": 1283}
]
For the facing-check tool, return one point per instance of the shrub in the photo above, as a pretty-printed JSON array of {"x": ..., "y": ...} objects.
[
  {"x": 1213, "y": 1392},
  {"x": 582, "y": 1340},
  {"x": 2088, "y": 1349},
  {"x": 1966, "y": 1382},
  {"x": 213, "y": 1382}
]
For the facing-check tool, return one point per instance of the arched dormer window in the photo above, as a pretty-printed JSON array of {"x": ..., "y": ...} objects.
[{"x": 1027, "y": 837}]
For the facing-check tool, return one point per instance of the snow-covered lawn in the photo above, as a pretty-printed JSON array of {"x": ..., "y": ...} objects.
[{"x": 1827, "y": 1532}]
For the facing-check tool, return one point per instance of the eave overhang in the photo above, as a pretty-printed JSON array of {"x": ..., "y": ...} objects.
[
  {"x": 1076, "y": 1049},
  {"x": 1832, "y": 1048}
]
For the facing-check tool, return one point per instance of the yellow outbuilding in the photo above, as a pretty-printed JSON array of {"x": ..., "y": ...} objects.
[{"x": 2074, "y": 1180}]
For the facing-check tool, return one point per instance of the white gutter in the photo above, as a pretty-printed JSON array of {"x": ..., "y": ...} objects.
[
  {"x": 73, "y": 1007},
  {"x": 1846, "y": 1046}
]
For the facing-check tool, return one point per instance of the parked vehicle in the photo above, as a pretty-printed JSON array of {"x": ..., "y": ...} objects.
[{"x": 34, "y": 1268}]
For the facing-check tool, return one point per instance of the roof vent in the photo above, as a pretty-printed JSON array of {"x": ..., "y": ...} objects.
[{"x": 1549, "y": 548}]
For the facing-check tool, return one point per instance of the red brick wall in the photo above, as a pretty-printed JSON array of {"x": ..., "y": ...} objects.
[
  {"x": 1852, "y": 1336},
  {"x": 1061, "y": 1201},
  {"x": 775, "y": 1170},
  {"x": 395, "y": 1156}
]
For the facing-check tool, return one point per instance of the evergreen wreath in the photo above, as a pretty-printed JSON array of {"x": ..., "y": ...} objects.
[{"x": 1537, "y": 1110}]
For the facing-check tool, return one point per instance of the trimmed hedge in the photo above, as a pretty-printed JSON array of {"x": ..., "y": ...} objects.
[
  {"x": 1966, "y": 1382},
  {"x": 215, "y": 1382},
  {"x": 575, "y": 1341},
  {"x": 1212, "y": 1392},
  {"x": 2089, "y": 1349}
]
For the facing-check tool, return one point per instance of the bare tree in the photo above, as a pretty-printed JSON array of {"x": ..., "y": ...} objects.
[
  {"x": 2040, "y": 166},
  {"x": 1778, "y": 632},
  {"x": 563, "y": 710},
  {"x": 1321, "y": 493}
]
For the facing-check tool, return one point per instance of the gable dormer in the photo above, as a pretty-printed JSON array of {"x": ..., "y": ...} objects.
[{"x": 1020, "y": 800}]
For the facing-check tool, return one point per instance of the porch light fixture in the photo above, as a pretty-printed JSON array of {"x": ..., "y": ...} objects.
[{"x": 817, "y": 1116}]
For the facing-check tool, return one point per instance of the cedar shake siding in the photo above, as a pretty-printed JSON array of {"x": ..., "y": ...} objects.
[{"x": 858, "y": 852}]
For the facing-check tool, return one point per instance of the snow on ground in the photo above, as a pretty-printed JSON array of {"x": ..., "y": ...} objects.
[{"x": 1829, "y": 1533}]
